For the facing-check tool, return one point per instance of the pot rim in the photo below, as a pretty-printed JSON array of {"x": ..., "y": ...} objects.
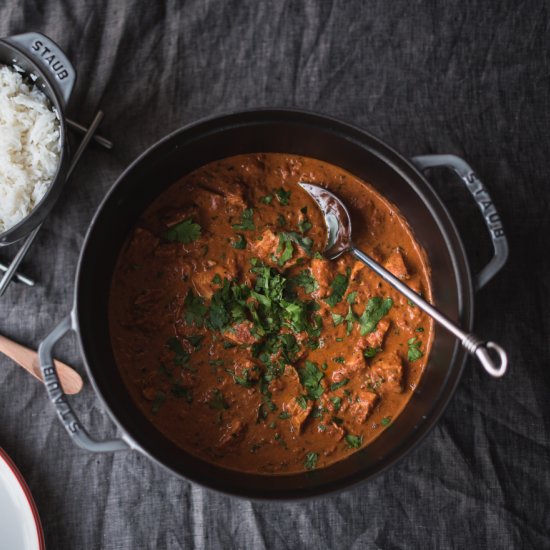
[{"x": 460, "y": 267}]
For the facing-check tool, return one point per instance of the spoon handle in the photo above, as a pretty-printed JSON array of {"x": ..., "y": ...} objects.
[
  {"x": 28, "y": 359},
  {"x": 470, "y": 342}
]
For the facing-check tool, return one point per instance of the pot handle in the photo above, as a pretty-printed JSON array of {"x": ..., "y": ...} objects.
[
  {"x": 483, "y": 200},
  {"x": 50, "y": 58},
  {"x": 59, "y": 399}
]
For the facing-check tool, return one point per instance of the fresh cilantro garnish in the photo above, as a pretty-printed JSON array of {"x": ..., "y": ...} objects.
[
  {"x": 354, "y": 441},
  {"x": 337, "y": 319},
  {"x": 339, "y": 359},
  {"x": 282, "y": 196},
  {"x": 286, "y": 247},
  {"x": 180, "y": 392},
  {"x": 284, "y": 415},
  {"x": 194, "y": 310},
  {"x": 304, "y": 242},
  {"x": 304, "y": 225},
  {"x": 337, "y": 385},
  {"x": 243, "y": 380},
  {"x": 217, "y": 280},
  {"x": 267, "y": 199},
  {"x": 217, "y": 401},
  {"x": 339, "y": 286},
  {"x": 281, "y": 220},
  {"x": 184, "y": 232},
  {"x": 376, "y": 309},
  {"x": 351, "y": 297},
  {"x": 336, "y": 403},
  {"x": 247, "y": 221},
  {"x": 419, "y": 329},
  {"x": 302, "y": 401},
  {"x": 160, "y": 397},
  {"x": 311, "y": 461},
  {"x": 386, "y": 421},
  {"x": 195, "y": 340},
  {"x": 228, "y": 345},
  {"x": 371, "y": 352},
  {"x": 181, "y": 357},
  {"x": 239, "y": 243},
  {"x": 310, "y": 377},
  {"x": 306, "y": 281},
  {"x": 414, "y": 349}
]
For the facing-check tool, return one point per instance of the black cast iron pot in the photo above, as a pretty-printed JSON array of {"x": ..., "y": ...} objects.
[{"x": 292, "y": 132}]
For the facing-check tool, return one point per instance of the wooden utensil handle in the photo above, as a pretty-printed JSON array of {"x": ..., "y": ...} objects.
[{"x": 28, "y": 359}]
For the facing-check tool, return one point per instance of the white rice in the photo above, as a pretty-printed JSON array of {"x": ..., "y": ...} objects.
[{"x": 30, "y": 147}]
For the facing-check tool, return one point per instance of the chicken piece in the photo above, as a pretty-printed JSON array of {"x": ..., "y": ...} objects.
[
  {"x": 142, "y": 244},
  {"x": 362, "y": 406},
  {"x": 395, "y": 264},
  {"x": 333, "y": 433},
  {"x": 174, "y": 216},
  {"x": 242, "y": 333},
  {"x": 321, "y": 271},
  {"x": 232, "y": 433},
  {"x": 270, "y": 249},
  {"x": 389, "y": 370},
  {"x": 374, "y": 339},
  {"x": 146, "y": 312},
  {"x": 266, "y": 247},
  {"x": 354, "y": 364},
  {"x": 202, "y": 280},
  {"x": 285, "y": 399},
  {"x": 247, "y": 370}
]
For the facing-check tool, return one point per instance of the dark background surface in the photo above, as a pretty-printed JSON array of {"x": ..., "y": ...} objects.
[{"x": 470, "y": 78}]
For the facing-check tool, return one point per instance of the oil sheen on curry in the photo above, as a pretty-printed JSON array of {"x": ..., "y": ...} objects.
[{"x": 245, "y": 347}]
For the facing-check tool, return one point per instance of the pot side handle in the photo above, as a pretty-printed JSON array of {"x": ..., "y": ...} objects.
[
  {"x": 51, "y": 59},
  {"x": 57, "y": 396},
  {"x": 486, "y": 205}
]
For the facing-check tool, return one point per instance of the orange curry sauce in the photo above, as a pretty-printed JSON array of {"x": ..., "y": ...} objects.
[{"x": 240, "y": 343}]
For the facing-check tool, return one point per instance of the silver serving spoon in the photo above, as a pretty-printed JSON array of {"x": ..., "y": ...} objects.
[{"x": 339, "y": 241}]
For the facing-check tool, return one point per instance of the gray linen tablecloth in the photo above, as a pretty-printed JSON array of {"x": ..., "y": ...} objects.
[{"x": 470, "y": 78}]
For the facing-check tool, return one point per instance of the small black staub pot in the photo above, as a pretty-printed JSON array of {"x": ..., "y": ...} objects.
[
  {"x": 300, "y": 133},
  {"x": 42, "y": 62}
]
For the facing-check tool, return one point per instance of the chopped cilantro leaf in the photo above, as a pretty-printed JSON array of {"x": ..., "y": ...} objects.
[
  {"x": 284, "y": 415},
  {"x": 239, "y": 243},
  {"x": 376, "y": 309},
  {"x": 286, "y": 247},
  {"x": 339, "y": 359},
  {"x": 310, "y": 377},
  {"x": 194, "y": 310},
  {"x": 351, "y": 297},
  {"x": 217, "y": 401},
  {"x": 354, "y": 441},
  {"x": 304, "y": 226},
  {"x": 386, "y": 421},
  {"x": 160, "y": 397},
  {"x": 302, "y": 401},
  {"x": 336, "y": 385},
  {"x": 247, "y": 221},
  {"x": 339, "y": 286},
  {"x": 195, "y": 340},
  {"x": 336, "y": 403},
  {"x": 181, "y": 392},
  {"x": 184, "y": 232},
  {"x": 243, "y": 380},
  {"x": 282, "y": 196},
  {"x": 217, "y": 280},
  {"x": 371, "y": 352},
  {"x": 267, "y": 199},
  {"x": 337, "y": 319},
  {"x": 306, "y": 281},
  {"x": 311, "y": 461},
  {"x": 281, "y": 220},
  {"x": 414, "y": 352},
  {"x": 419, "y": 329}
]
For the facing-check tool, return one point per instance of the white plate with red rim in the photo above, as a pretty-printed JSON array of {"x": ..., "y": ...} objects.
[{"x": 20, "y": 527}]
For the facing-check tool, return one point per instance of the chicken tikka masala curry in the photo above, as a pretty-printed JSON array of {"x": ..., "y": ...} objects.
[{"x": 241, "y": 343}]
